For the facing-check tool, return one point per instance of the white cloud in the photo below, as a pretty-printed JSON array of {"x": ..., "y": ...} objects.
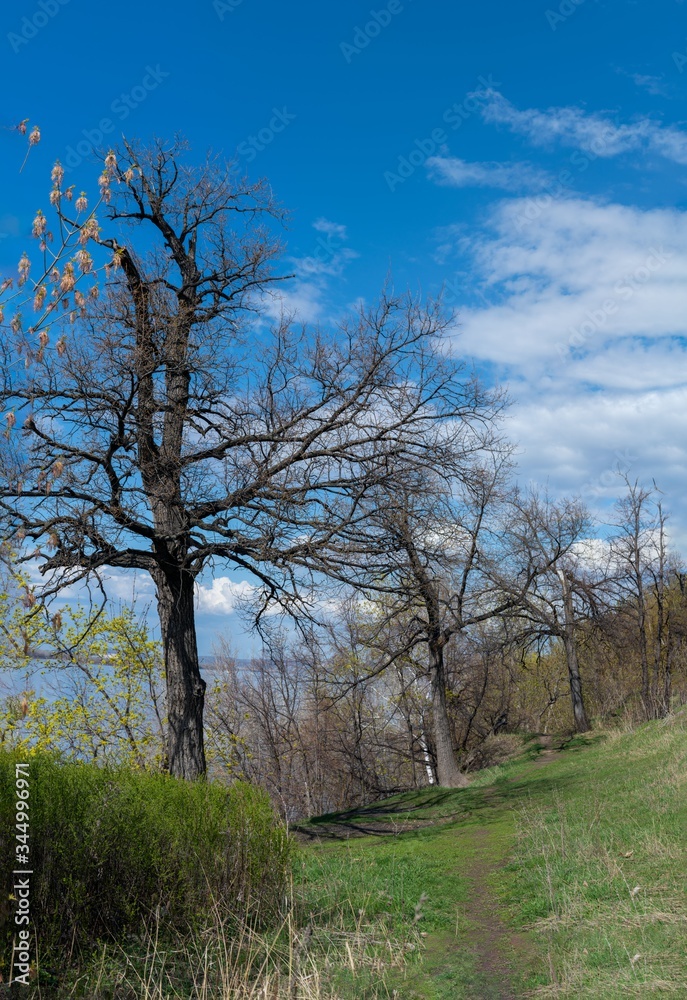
[
  {"x": 331, "y": 264},
  {"x": 128, "y": 585},
  {"x": 594, "y": 553},
  {"x": 594, "y": 132},
  {"x": 223, "y": 596},
  {"x": 586, "y": 322},
  {"x": 454, "y": 172},
  {"x": 304, "y": 301},
  {"x": 575, "y": 278},
  {"x": 655, "y": 85},
  {"x": 323, "y": 225},
  {"x": 306, "y": 298},
  {"x": 634, "y": 366},
  {"x": 329, "y": 256},
  {"x": 577, "y": 443},
  {"x": 580, "y": 442}
]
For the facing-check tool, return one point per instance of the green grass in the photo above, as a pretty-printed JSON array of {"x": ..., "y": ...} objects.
[
  {"x": 600, "y": 867},
  {"x": 556, "y": 878},
  {"x": 410, "y": 886},
  {"x": 521, "y": 882},
  {"x": 115, "y": 851}
]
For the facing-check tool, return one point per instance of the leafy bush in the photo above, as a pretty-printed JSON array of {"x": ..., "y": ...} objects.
[{"x": 111, "y": 848}]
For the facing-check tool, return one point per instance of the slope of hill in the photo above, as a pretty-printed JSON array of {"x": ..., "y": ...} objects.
[{"x": 560, "y": 874}]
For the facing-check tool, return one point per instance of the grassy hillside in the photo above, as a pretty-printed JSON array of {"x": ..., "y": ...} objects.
[{"x": 561, "y": 874}]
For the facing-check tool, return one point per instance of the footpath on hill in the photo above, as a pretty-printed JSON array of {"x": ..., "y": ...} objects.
[
  {"x": 494, "y": 958},
  {"x": 535, "y": 881}
]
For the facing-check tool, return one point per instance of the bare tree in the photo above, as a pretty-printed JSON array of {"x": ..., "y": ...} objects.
[
  {"x": 432, "y": 572},
  {"x": 277, "y": 722},
  {"x": 643, "y": 571},
  {"x": 173, "y": 428},
  {"x": 565, "y": 583}
]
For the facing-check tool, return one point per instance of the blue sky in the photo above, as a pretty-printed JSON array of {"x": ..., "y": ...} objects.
[{"x": 532, "y": 159}]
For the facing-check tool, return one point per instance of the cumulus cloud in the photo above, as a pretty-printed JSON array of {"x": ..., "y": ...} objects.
[
  {"x": 586, "y": 323},
  {"x": 594, "y": 132},
  {"x": 223, "y": 596},
  {"x": 579, "y": 443},
  {"x": 305, "y": 301},
  {"x": 594, "y": 553},
  {"x": 453, "y": 172},
  {"x": 128, "y": 585}
]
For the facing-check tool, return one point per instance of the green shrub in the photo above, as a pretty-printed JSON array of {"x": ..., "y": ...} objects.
[{"x": 111, "y": 848}]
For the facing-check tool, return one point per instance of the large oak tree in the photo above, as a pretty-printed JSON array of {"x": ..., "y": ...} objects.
[{"x": 173, "y": 428}]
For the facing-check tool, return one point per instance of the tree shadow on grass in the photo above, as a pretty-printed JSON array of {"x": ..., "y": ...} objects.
[{"x": 423, "y": 808}]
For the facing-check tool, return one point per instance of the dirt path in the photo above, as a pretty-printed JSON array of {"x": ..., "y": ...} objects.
[
  {"x": 551, "y": 747},
  {"x": 497, "y": 947},
  {"x": 501, "y": 955}
]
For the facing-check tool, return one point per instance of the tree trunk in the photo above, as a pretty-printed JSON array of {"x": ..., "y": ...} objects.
[
  {"x": 661, "y": 703},
  {"x": 667, "y": 685},
  {"x": 429, "y": 771},
  {"x": 185, "y": 686},
  {"x": 646, "y": 694},
  {"x": 449, "y": 774},
  {"x": 638, "y": 571},
  {"x": 579, "y": 712}
]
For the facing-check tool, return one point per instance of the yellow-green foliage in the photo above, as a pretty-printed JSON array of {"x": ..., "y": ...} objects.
[
  {"x": 22, "y": 626},
  {"x": 224, "y": 747},
  {"x": 541, "y": 691},
  {"x": 106, "y": 700},
  {"x": 110, "y": 699}
]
